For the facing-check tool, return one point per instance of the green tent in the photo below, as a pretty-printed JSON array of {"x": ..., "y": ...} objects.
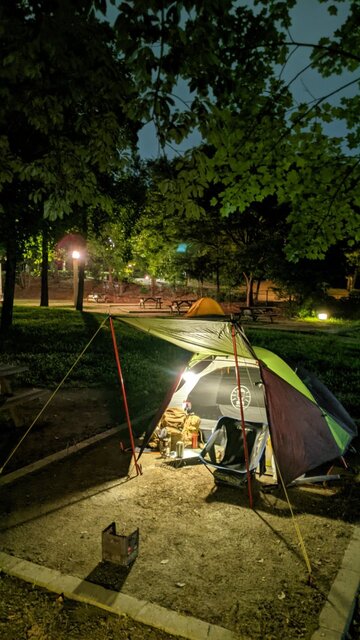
[{"x": 308, "y": 426}]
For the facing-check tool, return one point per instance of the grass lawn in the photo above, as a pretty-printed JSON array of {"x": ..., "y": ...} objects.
[{"x": 49, "y": 340}]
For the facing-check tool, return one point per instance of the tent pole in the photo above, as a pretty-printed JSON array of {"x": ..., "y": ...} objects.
[
  {"x": 121, "y": 379},
  {"x": 246, "y": 451}
]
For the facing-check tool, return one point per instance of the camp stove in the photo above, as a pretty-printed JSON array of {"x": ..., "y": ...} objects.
[{"x": 119, "y": 549}]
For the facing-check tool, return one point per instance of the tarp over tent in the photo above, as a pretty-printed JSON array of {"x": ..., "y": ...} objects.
[
  {"x": 306, "y": 430},
  {"x": 207, "y": 337}
]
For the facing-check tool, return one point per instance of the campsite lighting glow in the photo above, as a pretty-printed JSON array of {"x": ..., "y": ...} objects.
[
  {"x": 189, "y": 377},
  {"x": 322, "y": 315}
]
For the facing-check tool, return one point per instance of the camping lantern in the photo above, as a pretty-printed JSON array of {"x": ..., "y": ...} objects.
[{"x": 322, "y": 315}]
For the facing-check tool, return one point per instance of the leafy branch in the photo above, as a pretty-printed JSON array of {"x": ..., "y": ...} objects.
[{"x": 331, "y": 49}]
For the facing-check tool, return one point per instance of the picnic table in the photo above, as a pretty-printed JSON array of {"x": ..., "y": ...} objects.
[
  {"x": 10, "y": 399},
  {"x": 181, "y": 305},
  {"x": 258, "y": 313},
  {"x": 157, "y": 300},
  {"x": 97, "y": 297}
]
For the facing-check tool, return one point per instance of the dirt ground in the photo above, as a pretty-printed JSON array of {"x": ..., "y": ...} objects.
[
  {"x": 71, "y": 416},
  {"x": 29, "y": 613},
  {"x": 202, "y": 552}
]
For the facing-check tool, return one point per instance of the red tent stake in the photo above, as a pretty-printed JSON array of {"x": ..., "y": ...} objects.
[{"x": 121, "y": 379}]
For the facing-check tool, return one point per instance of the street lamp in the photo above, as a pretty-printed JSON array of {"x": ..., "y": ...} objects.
[{"x": 76, "y": 257}]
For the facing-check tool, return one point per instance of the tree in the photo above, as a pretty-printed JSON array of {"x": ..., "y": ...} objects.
[
  {"x": 36, "y": 261},
  {"x": 110, "y": 249},
  {"x": 227, "y": 55},
  {"x": 63, "y": 116},
  {"x": 298, "y": 168},
  {"x": 109, "y": 235},
  {"x": 78, "y": 91},
  {"x": 215, "y": 48},
  {"x": 153, "y": 241},
  {"x": 353, "y": 263},
  {"x": 333, "y": 56},
  {"x": 223, "y": 249},
  {"x": 15, "y": 231}
]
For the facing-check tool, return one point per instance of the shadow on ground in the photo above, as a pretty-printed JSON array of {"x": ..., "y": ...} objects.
[{"x": 109, "y": 575}]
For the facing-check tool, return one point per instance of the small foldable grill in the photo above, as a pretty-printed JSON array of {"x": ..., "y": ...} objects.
[{"x": 119, "y": 549}]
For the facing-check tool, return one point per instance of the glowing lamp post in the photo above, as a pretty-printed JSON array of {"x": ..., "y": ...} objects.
[{"x": 76, "y": 257}]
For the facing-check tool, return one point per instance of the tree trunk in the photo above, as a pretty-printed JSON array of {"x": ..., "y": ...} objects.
[
  {"x": 9, "y": 287},
  {"x": 80, "y": 289},
  {"x": 153, "y": 285},
  {"x": 217, "y": 280},
  {"x": 257, "y": 290},
  {"x": 249, "y": 279},
  {"x": 356, "y": 274},
  {"x": 44, "y": 295}
]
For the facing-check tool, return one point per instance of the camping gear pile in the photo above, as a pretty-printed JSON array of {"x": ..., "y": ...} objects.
[{"x": 175, "y": 425}]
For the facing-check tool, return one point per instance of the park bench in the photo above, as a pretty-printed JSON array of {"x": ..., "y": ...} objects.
[
  {"x": 97, "y": 297},
  {"x": 156, "y": 300},
  {"x": 259, "y": 313},
  {"x": 181, "y": 305},
  {"x": 13, "y": 400}
]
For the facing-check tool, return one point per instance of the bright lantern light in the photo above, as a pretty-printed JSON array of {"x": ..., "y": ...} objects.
[
  {"x": 76, "y": 255},
  {"x": 189, "y": 376},
  {"x": 322, "y": 316}
]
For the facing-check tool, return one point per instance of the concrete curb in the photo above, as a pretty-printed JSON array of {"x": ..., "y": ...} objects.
[
  {"x": 336, "y": 615},
  {"x": 142, "y": 611},
  {"x": 59, "y": 455}
]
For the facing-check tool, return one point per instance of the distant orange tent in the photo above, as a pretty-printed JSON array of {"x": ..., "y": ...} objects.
[{"x": 205, "y": 307}]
